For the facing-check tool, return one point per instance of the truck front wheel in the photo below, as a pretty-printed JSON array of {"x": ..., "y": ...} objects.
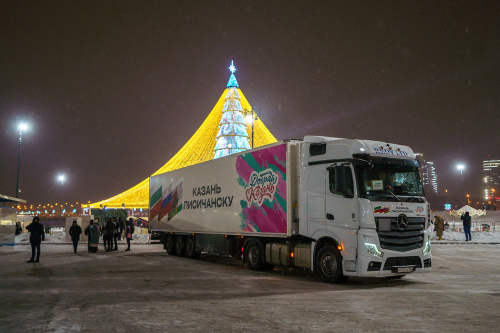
[
  {"x": 254, "y": 259},
  {"x": 170, "y": 244},
  {"x": 329, "y": 265}
]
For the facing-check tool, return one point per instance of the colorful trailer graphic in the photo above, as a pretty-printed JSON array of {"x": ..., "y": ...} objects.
[
  {"x": 248, "y": 191},
  {"x": 263, "y": 176}
]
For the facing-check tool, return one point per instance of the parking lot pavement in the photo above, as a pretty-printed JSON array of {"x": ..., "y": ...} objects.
[{"x": 147, "y": 290}]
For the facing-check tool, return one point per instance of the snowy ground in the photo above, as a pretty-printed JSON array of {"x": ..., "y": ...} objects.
[
  {"x": 148, "y": 290},
  {"x": 58, "y": 236},
  {"x": 480, "y": 237}
]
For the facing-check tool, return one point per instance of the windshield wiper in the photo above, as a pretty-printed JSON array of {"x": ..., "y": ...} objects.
[
  {"x": 393, "y": 195},
  {"x": 412, "y": 195}
]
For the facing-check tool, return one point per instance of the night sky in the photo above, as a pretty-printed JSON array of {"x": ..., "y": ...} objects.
[{"x": 113, "y": 89}]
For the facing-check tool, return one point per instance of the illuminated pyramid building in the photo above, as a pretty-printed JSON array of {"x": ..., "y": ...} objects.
[{"x": 223, "y": 132}]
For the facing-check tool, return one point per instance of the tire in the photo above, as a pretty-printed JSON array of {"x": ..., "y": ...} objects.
[
  {"x": 180, "y": 246},
  {"x": 329, "y": 265},
  {"x": 170, "y": 244},
  {"x": 253, "y": 255},
  {"x": 190, "y": 247},
  {"x": 267, "y": 267}
]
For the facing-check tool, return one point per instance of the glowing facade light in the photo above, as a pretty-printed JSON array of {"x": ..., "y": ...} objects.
[
  {"x": 61, "y": 178},
  {"x": 460, "y": 167}
]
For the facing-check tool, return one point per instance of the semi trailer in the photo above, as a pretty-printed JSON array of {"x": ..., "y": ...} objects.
[{"x": 340, "y": 207}]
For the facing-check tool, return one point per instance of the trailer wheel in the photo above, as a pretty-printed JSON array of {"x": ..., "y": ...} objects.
[
  {"x": 190, "y": 247},
  {"x": 180, "y": 246},
  {"x": 329, "y": 265},
  {"x": 254, "y": 259},
  {"x": 170, "y": 244}
]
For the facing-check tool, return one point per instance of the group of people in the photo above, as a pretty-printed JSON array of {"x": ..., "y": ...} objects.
[
  {"x": 439, "y": 226},
  {"x": 111, "y": 231}
]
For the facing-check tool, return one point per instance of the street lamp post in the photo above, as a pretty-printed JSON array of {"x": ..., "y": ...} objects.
[
  {"x": 252, "y": 116},
  {"x": 22, "y": 127},
  {"x": 461, "y": 168},
  {"x": 61, "y": 178}
]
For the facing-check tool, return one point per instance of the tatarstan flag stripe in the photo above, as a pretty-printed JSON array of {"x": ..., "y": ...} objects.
[
  {"x": 156, "y": 209},
  {"x": 155, "y": 198}
]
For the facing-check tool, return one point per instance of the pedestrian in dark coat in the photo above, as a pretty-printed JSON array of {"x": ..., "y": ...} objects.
[
  {"x": 19, "y": 230},
  {"x": 37, "y": 235},
  {"x": 129, "y": 231},
  {"x": 105, "y": 232},
  {"x": 94, "y": 236},
  {"x": 87, "y": 233},
  {"x": 122, "y": 227},
  {"x": 75, "y": 231},
  {"x": 467, "y": 222},
  {"x": 110, "y": 228},
  {"x": 116, "y": 232}
]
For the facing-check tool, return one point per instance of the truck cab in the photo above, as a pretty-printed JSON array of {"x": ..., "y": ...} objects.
[{"x": 364, "y": 202}]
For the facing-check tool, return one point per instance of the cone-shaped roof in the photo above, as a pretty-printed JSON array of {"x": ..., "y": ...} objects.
[{"x": 199, "y": 148}]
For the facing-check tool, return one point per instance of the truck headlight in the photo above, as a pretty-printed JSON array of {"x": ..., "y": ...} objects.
[
  {"x": 371, "y": 246},
  {"x": 427, "y": 248}
]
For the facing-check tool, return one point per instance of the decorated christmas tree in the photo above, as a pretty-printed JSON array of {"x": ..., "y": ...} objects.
[{"x": 232, "y": 136}]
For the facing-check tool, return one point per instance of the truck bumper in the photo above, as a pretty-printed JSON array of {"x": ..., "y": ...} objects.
[{"x": 375, "y": 266}]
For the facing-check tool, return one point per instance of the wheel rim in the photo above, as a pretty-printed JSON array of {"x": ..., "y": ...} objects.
[
  {"x": 189, "y": 246},
  {"x": 253, "y": 255},
  {"x": 328, "y": 264},
  {"x": 179, "y": 245},
  {"x": 169, "y": 243}
]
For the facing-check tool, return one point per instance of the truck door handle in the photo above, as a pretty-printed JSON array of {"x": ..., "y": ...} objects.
[{"x": 330, "y": 217}]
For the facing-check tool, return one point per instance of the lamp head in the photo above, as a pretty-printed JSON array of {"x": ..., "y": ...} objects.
[
  {"x": 460, "y": 167},
  {"x": 61, "y": 178}
]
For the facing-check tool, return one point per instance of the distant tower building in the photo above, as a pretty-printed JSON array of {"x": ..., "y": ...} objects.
[
  {"x": 428, "y": 172},
  {"x": 491, "y": 178}
]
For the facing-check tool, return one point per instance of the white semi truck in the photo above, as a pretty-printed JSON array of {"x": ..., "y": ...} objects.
[{"x": 339, "y": 207}]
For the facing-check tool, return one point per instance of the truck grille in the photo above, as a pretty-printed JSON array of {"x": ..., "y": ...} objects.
[{"x": 402, "y": 240}]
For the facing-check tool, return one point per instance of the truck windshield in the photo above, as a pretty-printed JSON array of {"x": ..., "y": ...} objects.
[{"x": 390, "y": 182}]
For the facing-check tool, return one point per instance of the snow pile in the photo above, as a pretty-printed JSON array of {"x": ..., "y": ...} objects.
[
  {"x": 60, "y": 237},
  {"x": 140, "y": 238},
  {"x": 56, "y": 237},
  {"x": 477, "y": 237}
]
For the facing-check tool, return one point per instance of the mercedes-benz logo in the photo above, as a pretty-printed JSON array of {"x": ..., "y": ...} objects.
[{"x": 402, "y": 222}]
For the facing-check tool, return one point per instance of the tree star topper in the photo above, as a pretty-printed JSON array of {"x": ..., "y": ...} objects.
[{"x": 232, "y": 69}]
